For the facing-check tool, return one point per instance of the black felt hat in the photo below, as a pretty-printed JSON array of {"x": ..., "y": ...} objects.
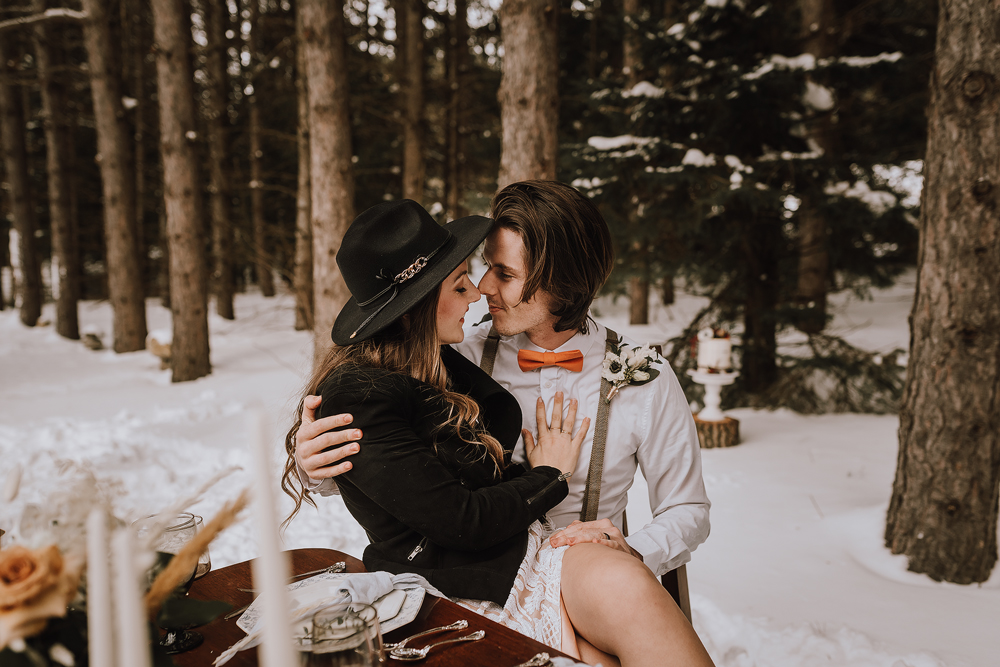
[{"x": 392, "y": 256}]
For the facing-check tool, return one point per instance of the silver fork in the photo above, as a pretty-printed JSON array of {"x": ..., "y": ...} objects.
[
  {"x": 457, "y": 625},
  {"x": 336, "y": 568}
]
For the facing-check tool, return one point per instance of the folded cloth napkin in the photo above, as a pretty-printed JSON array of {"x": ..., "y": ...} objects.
[{"x": 311, "y": 596}]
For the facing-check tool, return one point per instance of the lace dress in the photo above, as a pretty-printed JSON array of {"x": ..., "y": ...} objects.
[{"x": 534, "y": 606}]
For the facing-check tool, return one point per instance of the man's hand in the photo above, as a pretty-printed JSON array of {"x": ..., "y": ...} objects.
[
  {"x": 601, "y": 531},
  {"x": 314, "y": 436}
]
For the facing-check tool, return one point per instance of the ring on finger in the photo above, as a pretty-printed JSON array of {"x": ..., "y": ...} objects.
[{"x": 607, "y": 537}]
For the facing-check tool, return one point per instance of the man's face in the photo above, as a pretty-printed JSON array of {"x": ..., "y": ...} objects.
[{"x": 503, "y": 286}]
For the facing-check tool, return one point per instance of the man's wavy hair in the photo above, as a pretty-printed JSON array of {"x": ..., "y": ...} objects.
[{"x": 567, "y": 245}]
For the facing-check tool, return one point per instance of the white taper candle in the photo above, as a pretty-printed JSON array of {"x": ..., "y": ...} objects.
[
  {"x": 132, "y": 634},
  {"x": 100, "y": 632},
  {"x": 270, "y": 568}
]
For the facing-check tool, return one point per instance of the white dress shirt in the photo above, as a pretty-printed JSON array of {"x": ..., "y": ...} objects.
[{"x": 649, "y": 426}]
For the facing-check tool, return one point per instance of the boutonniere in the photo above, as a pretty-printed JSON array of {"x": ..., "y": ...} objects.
[{"x": 629, "y": 366}]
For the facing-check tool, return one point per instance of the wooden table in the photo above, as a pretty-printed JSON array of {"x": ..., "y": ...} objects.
[{"x": 501, "y": 647}]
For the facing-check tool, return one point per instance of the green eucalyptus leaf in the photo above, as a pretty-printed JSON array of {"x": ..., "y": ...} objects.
[{"x": 652, "y": 376}]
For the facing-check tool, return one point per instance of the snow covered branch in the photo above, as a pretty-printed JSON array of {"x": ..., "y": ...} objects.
[{"x": 56, "y": 13}]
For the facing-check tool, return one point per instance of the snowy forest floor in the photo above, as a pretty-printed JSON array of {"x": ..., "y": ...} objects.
[{"x": 794, "y": 573}]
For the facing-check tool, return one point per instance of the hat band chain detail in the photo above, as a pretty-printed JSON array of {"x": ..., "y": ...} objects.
[{"x": 409, "y": 272}]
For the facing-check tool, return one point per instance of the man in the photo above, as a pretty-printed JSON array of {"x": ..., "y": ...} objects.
[{"x": 547, "y": 257}]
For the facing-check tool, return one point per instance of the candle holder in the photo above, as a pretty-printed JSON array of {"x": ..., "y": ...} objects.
[{"x": 715, "y": 429}]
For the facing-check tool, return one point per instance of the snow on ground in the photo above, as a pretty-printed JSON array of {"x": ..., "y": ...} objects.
[{"x": 793, "y": 574}]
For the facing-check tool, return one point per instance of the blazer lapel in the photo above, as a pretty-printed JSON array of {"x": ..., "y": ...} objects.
[{"x": 501, "y": 414}]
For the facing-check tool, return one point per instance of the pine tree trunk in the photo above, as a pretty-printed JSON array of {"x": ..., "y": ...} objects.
[
  {"x": 140, "y": 40},
  {"x": 262, "y": 245},
  {"x": 818, "y": 22},
  {"x": 667, "y": 292},
  {"x": 330, "y": 158},
  {"x": 57, "y": 143},
  {"x": 4, "y": 244},
  {"x": 529, "y": 97},
  {"x": 189, "y": 354},
  {"x": 638, "y": 296},
  {"x": 458, "y": 57},
  {"x": 15, "y": 158},
  {"x": 759, "y": 363},
  {"x": 130, "y": 56},
  {"x": 943, "y": 510},
  {"x": 638, "y": 289},
  {"x": 217, "y": 123},
  {"x": 117, "y": 178},
  {"x": 303, "y": 203},
  {"x": 410, "y": 30},
  {"x": 163, "y": 278}
]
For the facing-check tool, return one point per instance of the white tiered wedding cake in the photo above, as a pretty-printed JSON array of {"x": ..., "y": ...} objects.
[{"x": 715, "y": 351}]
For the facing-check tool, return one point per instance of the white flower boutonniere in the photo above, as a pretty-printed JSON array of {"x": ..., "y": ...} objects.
[{"x": 629, "y": 366}]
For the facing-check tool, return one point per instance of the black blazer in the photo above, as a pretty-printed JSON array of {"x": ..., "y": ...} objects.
[{"x": 431, "y": 503}]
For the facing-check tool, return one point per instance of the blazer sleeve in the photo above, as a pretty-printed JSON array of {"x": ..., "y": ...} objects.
[{"x": 401, "y": 473}]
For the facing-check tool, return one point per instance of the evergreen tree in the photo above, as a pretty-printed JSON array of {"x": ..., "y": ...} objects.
[{"x": 715, "y": 148}]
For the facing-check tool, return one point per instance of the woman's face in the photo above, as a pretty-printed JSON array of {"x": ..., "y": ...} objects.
[{"x": 457, "y": 292}]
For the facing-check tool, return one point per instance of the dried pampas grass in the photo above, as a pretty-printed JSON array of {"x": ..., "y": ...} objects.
[{"x": 183, "y": 564}]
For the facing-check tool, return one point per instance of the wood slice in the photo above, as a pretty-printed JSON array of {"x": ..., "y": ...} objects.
[{"x": 718, "y": 434}]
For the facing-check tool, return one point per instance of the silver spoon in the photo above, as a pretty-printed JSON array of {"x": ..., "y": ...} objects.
[
  {"x": 457, "y": 625},
  {"x": 406, "y": 653}
]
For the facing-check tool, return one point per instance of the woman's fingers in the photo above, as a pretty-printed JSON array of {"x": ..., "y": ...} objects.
[
  {"x": 319, "y": 435},
  {"x": 540, "y": 421},
  {"x": 571, "y": 415},
  {"x": 557, "y": 412},
  {"x": 582, "y": 433},
  {"x": 529, "y": 441}
]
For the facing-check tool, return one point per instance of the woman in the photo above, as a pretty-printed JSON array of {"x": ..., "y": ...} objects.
[{"x": 434, "y": 487}]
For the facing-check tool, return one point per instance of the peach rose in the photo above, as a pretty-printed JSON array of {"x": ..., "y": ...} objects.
[{"x": 34, "y": 586}]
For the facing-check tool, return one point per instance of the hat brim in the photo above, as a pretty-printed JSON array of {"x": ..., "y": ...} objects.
[{"x": 467, "y": 233}]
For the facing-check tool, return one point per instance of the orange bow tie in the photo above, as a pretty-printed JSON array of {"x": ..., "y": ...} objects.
[{"x": 529, "y": 360}]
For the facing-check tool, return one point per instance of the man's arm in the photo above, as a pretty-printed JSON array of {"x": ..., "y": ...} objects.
[
  {"x": 670, "y": 460},
  {"x": 317, "y": 448}
]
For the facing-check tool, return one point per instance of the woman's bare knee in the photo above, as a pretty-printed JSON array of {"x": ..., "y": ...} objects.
[
  {"x": 617, "y": 604},
  {"x": 592, "y": 655}
]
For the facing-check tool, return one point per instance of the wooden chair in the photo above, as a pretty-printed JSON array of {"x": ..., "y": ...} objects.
[{"x": 676, "y": 583}]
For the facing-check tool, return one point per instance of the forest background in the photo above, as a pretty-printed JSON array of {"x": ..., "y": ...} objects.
[{"x": 764, "y": 154}]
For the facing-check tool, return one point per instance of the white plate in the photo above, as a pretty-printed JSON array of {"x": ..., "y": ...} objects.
[{"x": 314, "y": 591}]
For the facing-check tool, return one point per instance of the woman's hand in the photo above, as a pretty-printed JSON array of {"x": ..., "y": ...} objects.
[
  {"x": 314, "y": 436},
  {"x": 557, "y": 445}
]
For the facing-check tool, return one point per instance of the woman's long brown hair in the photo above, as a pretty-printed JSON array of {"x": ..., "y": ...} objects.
[{"x": 409, "y": 346}]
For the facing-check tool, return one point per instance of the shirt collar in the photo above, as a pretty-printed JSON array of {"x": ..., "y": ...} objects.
[{"x": 589, "y": 344}]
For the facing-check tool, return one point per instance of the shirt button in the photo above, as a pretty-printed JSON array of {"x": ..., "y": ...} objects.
[{"x": 548, "y": 385}]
